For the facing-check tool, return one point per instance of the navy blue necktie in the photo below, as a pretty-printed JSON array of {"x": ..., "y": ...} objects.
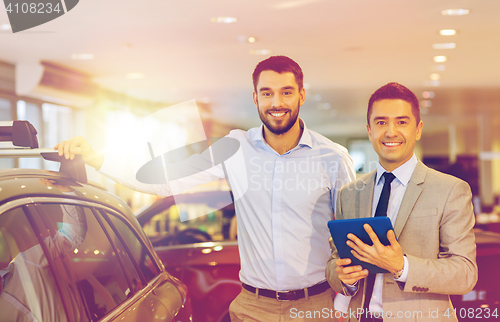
[
  {"x": 381, "y": 211},
  {"x": 383, "y": 202}
]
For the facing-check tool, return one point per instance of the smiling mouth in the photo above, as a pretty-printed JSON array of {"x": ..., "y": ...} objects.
[
  {"x": 277, "y": 114},
  {"x": 391, "y": 144}
]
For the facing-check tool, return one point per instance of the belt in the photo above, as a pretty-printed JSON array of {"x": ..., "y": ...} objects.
[{"x": 289, "y": 295}]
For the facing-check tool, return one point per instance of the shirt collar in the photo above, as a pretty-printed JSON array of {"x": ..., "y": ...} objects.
[
  {"x": 305, "y": 139},
  {"x": 403, "y": 173}
]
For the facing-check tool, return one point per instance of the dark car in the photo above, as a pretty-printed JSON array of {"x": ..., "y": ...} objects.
[
  {"x": 207, "y": 261},
  {"x": 70, "y": 251}
]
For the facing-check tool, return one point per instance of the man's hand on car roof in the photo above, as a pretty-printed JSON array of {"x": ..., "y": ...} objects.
[{"x": 78, "y": 145}]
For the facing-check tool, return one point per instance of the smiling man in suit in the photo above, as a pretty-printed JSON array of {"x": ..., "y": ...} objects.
[{"x": 432, "y": 251}]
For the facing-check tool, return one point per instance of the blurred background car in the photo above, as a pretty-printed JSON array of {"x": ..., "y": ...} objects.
[
  {"x": 71, "y": 251},
  {"x": 194, "y": 234}
]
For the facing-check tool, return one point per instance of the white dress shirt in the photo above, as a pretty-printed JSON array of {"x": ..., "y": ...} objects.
[
  {"x": 398, "y": 188},
  {"x": 283, "y": 203}
]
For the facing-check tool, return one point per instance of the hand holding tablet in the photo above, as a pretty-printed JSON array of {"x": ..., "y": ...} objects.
[{"x": 339, "y": 230}]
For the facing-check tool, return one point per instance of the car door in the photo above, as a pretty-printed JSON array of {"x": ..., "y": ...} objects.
[
  {"x": 158, "y": 285},
  {"x": 117, "y": 273}
]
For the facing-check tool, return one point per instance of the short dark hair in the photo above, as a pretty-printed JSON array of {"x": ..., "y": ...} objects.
[
  {"x": 394, "y": 91},
  {"x": 279, "y": 64}
]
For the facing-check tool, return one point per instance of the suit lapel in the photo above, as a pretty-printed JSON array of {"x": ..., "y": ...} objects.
[
  {"x": 410, "y": 197},
  {"x": 364, "y": 201},
  {"x": 364, "y": 207}
]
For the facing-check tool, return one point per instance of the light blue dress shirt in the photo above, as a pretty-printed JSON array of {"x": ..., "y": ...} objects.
[{"x": 283, "y": 203}]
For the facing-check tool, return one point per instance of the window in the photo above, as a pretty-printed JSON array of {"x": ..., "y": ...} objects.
[
  {"x": 129, "y": 265},
  {"x": 92, "y": 263},
  {"x": 137, "y": 249},
  {"x": 30, "y": 289}
]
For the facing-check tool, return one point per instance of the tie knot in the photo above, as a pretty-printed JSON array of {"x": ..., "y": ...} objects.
[{"x": 388, "y": 176}]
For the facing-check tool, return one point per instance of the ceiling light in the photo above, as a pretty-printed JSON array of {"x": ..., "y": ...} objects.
[
  {"x": 246, "y": 39},
  {"x": 224, "y": 19},
  {"x": 447, "y": 32},
  {"x": 135, "y": 75},
  {"x": 82, "y": 56},
  {"x": 426, "y": 103},
  {"x": 440, "y": 59},
  {"x": 435, "y": 76},
  {"x": 261, "y": 52},
  {"x": 5, "y": 26},
  {"x": 428, "y": 94},
  {"x": 455, "y": 12},
  {"x": 447, "y": 45}
]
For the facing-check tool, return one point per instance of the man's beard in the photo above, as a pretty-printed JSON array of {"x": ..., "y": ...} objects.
[{"x": 284, "y": 127}]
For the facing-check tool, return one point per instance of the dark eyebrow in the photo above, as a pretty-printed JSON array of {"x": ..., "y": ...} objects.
[
  {"x": 385, "y": 118},
  {"x": 282, "y": 89}
]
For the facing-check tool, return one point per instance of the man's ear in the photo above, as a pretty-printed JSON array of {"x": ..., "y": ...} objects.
[
  {"x": 369, "y": 131},
  {"x": 302, "y": 94},
  {"x": 255, "y": 99},
  {"x": 419, "y": 130}
]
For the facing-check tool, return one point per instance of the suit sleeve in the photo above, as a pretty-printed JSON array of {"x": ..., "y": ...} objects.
[
  {"x": 454, "y": 271},
  {"x": 331, "y": 273}
]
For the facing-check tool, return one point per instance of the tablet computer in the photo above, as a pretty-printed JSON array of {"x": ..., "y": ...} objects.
[{"x": 340, "y": 228}]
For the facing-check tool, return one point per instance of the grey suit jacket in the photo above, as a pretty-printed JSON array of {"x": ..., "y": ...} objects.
[{"x": 434, "y": 227}]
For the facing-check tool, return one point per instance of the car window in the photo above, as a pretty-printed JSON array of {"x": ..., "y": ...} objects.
[
  {"x": 141, "y": 256},
  {"x": 30, "y": 289},
  {"x": 94, "y": 263},
  {"x": 189, "y": 223}
]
